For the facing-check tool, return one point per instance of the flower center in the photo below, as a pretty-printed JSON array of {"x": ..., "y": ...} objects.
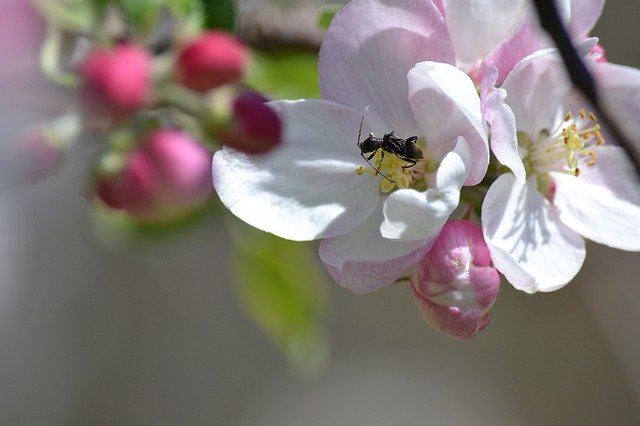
[
  {"x": 567, "y": 148},
  {"x": 394, "y": 172}
]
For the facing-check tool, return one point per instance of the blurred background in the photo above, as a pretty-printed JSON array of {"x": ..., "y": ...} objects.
[{"x": 93, "y": 332}]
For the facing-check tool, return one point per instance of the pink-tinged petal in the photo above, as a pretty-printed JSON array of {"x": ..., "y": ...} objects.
[
  {"x": 307, "y": 188},
  {"x": 507, "y": 54},
  {"x": 462, "y": 324},
  {"x": 369, "y": 49},
  {"x": 603, "y": 203},
  {"x": 446, "y": 105},
  {"x": 441, "y": 5},
  {"x": 529, "y": 243},
  {"x": 584, "y": 15},
  {"x": 363, "y": 261},
  {"x": 410, "y": 215},
  {"x": 478, "y": 26},
  {"x": 535, "y": 90},
  {"x": 504, "y": 139}
]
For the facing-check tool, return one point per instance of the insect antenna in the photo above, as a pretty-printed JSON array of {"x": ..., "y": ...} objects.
[
  {"x": 377, "y": 169},
  {"x": 361, "y": 121}
]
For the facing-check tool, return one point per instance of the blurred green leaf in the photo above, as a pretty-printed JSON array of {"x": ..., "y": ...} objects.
[
  {"x": 284, "y": 74},
  {"x": 142, "y": 14},
  {"x": 70, "y": 15},
  {"x": 326, "y": 15},
  {"x": 220, "y": 14},
  {"x": 51, "y": 56},
  {"x": 282, "y": 288}
]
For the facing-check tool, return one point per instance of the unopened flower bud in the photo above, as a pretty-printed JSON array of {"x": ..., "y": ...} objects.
[
  {"x": 116, "y": 81},
  {"x": 455, "y": 284},
  {"x": 38, "y": 153},
  {"x": 167, "y": 176},
  {"x": 243, "y": 121},
  {"x": 211, "y": 60}
]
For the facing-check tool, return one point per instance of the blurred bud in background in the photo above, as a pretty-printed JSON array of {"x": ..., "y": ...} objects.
[
  {"x": 242, "y": 120},
  {"x": 455, "y": 284},
  {"x": 38, "y": 152},
  {"x": 117, "y": 80},
  {"x": 164, "y": 178},
  {"x": 211, "y": 60}
]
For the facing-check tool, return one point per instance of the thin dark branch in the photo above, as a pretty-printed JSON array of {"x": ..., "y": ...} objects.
[{"x": 580, "y": 76}]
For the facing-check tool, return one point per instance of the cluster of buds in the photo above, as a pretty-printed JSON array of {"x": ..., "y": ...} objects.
[{"x": 128, "y": 83}]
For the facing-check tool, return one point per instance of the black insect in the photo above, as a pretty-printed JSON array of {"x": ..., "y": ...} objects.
[{"x": 405, "y": 149}]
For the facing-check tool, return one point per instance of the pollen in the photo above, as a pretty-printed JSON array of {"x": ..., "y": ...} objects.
[
  {"x": 569, "y": 146},
  {"x": 394, "y": 172}
]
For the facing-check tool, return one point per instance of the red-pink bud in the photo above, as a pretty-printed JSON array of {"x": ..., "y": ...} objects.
[
  {"x": 250, "y": 126},
  {"x": 456, "y": 285},
  {"x": 169, "y": 175},
  {"x": 116, "y": 81},
  {"x": 211, "y": 60}
]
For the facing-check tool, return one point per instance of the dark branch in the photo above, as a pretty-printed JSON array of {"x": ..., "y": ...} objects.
[{"x": 580, "y": 76}]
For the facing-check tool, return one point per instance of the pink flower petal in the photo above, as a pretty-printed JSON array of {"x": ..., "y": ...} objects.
[
  {"x": 363, "y": 261},
  {"x": 368, "y": 51}
]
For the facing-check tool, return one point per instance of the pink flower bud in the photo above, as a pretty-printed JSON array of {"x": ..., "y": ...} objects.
[
  {"x": 38, "y": 153},
  {"x": 243, "y": 122},
  {"x": 456, "y": 284},
  {"x": 116, "y": 81},
  {"x": 211, "y": 60},
  {"x": 169, "y": 175},
  {"x": 31, "y": 157}
]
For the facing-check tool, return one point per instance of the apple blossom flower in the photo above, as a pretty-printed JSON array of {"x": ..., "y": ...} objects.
[
  {"x": 164, "y": 178},
  {"x": 317, "y": 185},
  {"x": 455, "y": 284},
  {"x": 577, "y": 185},
  {"x": 211, "y": 60}
]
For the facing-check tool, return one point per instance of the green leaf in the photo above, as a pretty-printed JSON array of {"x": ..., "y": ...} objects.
[
  {"x": 51, "y": 54},
  {"x": 220, "y": 14},
  {"x": 142, "y": 14},
  {"x": 75, "y": 16},
  {"x": 326, "y": 15},
  {"x": 284, "y": 74},
  {"x": 282, "y": 289}
]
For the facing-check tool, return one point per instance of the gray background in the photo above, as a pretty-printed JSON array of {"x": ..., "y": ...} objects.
[{"x": 152, "y": 335}]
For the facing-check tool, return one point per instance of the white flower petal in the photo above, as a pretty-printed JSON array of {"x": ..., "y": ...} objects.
[
  {"x": 307, "y": 188},
  {"x": 619, "y": 87},
  {"x": 529, "y": 244},
  {"x": 411, "y": 215},
  {"x": 477, "y": 26},
  {"x": 535, "y": 90},
  {"x": 446, "y": 105},
  {"x": 504, "y": 139},
  {"x": 584, "y": 15},
  {"x": 363, "y": 261},
  {"x": 603, "y": 203},
  {"x": 368, "y": 51}
]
